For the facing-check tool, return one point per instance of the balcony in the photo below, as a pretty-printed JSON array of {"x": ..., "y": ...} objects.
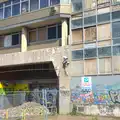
[{"x": 28, "y": 13}]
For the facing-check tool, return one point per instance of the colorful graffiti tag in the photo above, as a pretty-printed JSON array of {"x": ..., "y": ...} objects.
[{"x": 100, "y": 93}]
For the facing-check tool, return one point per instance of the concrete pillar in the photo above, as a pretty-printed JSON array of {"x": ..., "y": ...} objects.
[
  {"x": 64, "y": 86},
  {"x": 64, "y": 32},
  {"x": 24, "y": 40}
]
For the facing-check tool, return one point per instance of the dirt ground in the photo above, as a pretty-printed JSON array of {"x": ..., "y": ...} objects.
[{"x": 68, "y": 117}]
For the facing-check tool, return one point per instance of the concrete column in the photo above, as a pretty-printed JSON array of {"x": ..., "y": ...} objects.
[
  {"x": 64, "y": 86},
  {"x": 64, "y": 32},
  {"x": 24, "y": 40}
]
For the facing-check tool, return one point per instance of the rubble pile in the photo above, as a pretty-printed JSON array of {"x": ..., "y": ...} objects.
[{"x": 29, "y": 108}]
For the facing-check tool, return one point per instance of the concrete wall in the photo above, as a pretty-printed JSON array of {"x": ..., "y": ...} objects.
[{"x": 101, "y": 96}]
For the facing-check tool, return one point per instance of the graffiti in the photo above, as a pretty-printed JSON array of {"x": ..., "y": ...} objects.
[
  {"x": 106, "y": 110},
  {"x": 65, "y": 93},
  {"x": 115, "y": 96}
]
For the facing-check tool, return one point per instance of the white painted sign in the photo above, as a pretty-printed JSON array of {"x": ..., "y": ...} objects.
[{"x": 86, "y": 83}]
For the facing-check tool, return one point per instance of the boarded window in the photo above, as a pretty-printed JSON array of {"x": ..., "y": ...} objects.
[
  {"x": 116, "y": 29},
  {"x": 89, "y": 4},
  {"x": 116, "y": 64},
  {"x": 77, "y": 54},
  {"x": 42, "y": 34},
  {"x": 90, "y": 34},
  {"x": 32, "y": 36},
  {"x": 104, "y": 43},
  {"x": 90, "y": 53},
  {"x": 90, "y": 67},
  {"x": 77, "y": 68},
  {"x": 104, "y": 32},
  {"x": 104, "y": 51},
  {"x": 77, "y": 36},
  {"x": 105, "y": 65}
]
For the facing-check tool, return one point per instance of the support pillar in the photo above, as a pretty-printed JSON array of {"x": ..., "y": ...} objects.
[
  {"x": 64, "y": 32},
  {"x": 24, "y": 40}
]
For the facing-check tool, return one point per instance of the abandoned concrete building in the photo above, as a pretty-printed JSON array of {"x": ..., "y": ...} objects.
[{"x": 69, "y": 45}]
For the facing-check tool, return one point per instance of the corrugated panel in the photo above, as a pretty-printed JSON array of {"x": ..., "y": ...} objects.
[{"x": 104, "y": 32}]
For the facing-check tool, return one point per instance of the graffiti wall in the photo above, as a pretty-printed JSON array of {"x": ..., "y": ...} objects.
[{"x": 103, "y": 91}]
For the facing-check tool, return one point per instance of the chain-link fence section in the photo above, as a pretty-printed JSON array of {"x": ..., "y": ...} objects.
[{"x": 23, "y": 105}]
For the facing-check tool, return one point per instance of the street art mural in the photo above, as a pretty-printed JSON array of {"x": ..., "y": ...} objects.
[{"x": 95, "y": 90}]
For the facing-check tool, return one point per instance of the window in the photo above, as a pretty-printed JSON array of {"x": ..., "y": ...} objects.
[
  {"x": 77, "y": 23},
  {"x": 90, "y": 53},
  {"x": 54, "y": 2},
  {"x": 89, "y": 4},
  {"x": 77, "y": 36},
  {"x": 116, "y": 41},
  {"x": 15, "y": 1},
  {"x": 34, "y": 5},
  {"x": 115, "y": 15},
  {"x": 1, "y": 5},
  {"x": 24, "y": 7},
  {"x": 90, "y": 67},
  {"x": 42, "y": 34},
  {"x": 116, "y": 50},
  {"x": 43, "y": 3},
  {"x": 116, "y": 1},
  {"x": 102, "y": 1},
  {"x": 7, "y": 41},
  {"x": 8, "y": 3},
  {"x": 104, "y": 32},
  {"x": 76, "y": 5},
  {"x": 1, "y": 41},
  {"x": 1, "y": 13},
  {"x": 105, "y": 65},
  {"x": 52, "y": 32},
  {"x": 103, "y": 17},
  {"x": 59, "y": 31},
  {"x": 116, "y": 29},
  {"x": 16, "y": 9},
  {"x": 90, "y": 20},
  {"x": 15, "y": 39},
  {"x": 7, "y": 12},
  {"x": 104, "y": 51},
  {"x": 75, "y": 65},
  {"x": 77, "y": 54},
  {"x": 90, "y": 34},
  {"x": 33, "y": 36}
]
